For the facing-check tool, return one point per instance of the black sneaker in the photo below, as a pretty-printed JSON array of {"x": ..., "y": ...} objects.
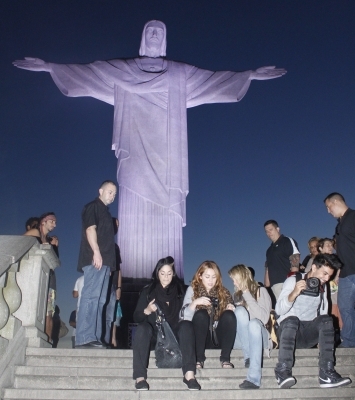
[
  {"x": 284, "y": 377},
  {"x": 329, "y": 378},
  {"x": 142, "y": 385},
  {"x": 248, "y": 385},
  {"x": 192, "y": 384},
  {"x": 247, "y": 363}
]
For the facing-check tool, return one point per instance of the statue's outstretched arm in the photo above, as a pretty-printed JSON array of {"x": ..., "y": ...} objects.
[
  {"x": 264, "y": 73},
  {"x": 33, "y": 64}
]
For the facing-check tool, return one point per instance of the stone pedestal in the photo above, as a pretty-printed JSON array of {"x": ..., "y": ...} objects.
[{"x": 131, "y": 288}]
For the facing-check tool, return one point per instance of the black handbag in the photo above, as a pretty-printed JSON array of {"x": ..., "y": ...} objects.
[{"x": 167, "y": 350}]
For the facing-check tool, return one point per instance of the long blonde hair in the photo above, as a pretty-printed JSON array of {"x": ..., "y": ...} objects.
[
  {"x": 246, "y": 281},
  {"x": 218, "y": 287}
]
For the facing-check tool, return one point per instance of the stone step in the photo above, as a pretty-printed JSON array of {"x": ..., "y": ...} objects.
[
  {"x": 293, "y": 393},
  {"x": 161, "y": 372},
  {"x": 78, "y": 374},
  {"x": 172, "y": 383},
  {"x": 126, "y": 362},
  {"x": 210, "y": 354}
]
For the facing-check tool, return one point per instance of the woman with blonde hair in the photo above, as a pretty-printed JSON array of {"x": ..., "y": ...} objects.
[
  {"x": 210, "y": 307},
  {"x": 326, "y": 246},
  {"x": 252, "y": 311}
]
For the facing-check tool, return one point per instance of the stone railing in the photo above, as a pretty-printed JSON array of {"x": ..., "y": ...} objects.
[{"x": 24, "y": 275}]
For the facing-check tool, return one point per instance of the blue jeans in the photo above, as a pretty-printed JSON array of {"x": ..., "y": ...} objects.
[
  {"x": 346, "y": 304},
  {"x": 252, "y": 332},
  {"x": 110, "y": 313},
  {"x": 93, "y": 298}
]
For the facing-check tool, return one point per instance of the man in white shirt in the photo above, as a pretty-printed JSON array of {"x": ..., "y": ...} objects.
[{"x": 304, "y": 322}]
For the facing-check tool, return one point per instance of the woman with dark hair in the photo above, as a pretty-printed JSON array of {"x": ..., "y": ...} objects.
[
  {"x": 208, "y": 303},
  {"x": 253, "y": 306},
  {"x": 167, "y": 291}
]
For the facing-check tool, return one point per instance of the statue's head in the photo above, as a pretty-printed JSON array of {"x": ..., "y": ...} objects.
[{"x": 153, "y": 43}]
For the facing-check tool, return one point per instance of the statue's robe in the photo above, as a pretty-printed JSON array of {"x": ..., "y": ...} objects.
[{"x": 150, "y": 142}]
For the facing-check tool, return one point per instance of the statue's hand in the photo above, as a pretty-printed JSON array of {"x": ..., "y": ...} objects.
[
  {"x": 264, "y": 73},
  {"x": 32, "y": 64}
]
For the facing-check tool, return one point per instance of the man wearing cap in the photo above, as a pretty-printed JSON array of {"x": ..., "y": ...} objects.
[{"x": 47, "y": 222}]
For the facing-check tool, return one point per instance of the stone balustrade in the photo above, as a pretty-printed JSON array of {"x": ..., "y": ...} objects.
[{"x": 24, "y": 276}]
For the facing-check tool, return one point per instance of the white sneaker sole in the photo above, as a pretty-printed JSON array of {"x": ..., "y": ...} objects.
[
  {"x": 343, "y": 382},
  {"x": 287, "y": 383}
]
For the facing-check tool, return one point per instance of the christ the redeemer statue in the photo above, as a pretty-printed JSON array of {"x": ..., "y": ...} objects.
[{"x": 150, "y": 95}]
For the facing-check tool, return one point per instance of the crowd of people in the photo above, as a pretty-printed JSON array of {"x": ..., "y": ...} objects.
[
  {"x": 312, "y": 301},
  {"x": 282, "y": 259},
  {"x": 308, "y": 298},
  {"x": 206, "y": 315},
  {"x": 100, "y": 297}
]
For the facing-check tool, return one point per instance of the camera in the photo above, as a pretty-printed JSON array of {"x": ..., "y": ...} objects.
[
  {"x": 214, "y": 301},
  {"x": 312, "y": 288}
]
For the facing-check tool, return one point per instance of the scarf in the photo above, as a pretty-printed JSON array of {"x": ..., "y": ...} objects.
[
  {"x": 169, "y": 294},
  {"x": 202, "y": 292}
]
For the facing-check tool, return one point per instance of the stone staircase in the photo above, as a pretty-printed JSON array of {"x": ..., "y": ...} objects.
[{"x": 107, "y": 374}]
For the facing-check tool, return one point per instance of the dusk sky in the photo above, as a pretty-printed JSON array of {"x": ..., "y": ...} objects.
[{"x": 275, "y": 155}]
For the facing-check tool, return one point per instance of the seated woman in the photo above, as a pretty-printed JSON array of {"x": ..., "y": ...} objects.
[
  {"x": 253, "y": 306},
  {"x": 205, "y": 296},
  {"x": 168, "y": 292}
]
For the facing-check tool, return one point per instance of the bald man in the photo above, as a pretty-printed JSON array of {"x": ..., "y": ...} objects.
[{"x": 345, "y": 240}]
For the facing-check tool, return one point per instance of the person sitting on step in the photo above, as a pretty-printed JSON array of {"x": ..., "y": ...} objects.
[
  {"x": 210, "y": 307},
  {"x": 167, "y": 291},
  {"x": 253, "y": 306},
  {"x": 304, "y": 322}
]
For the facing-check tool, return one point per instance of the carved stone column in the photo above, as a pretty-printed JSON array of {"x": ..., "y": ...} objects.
[
  {"x": 4, "y": 313},
  {"x": 4, "y": 308},
  {"x": 13, "y": 296}
]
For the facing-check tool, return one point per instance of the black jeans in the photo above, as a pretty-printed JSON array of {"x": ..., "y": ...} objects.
[
  {"x": 145, "y": 340},
  {"x": 226, "y": 331},
  {"x": 294, "y": 333}
]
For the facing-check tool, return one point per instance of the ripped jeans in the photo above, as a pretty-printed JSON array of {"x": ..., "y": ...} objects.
[{"x": 252, "y": 338}]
